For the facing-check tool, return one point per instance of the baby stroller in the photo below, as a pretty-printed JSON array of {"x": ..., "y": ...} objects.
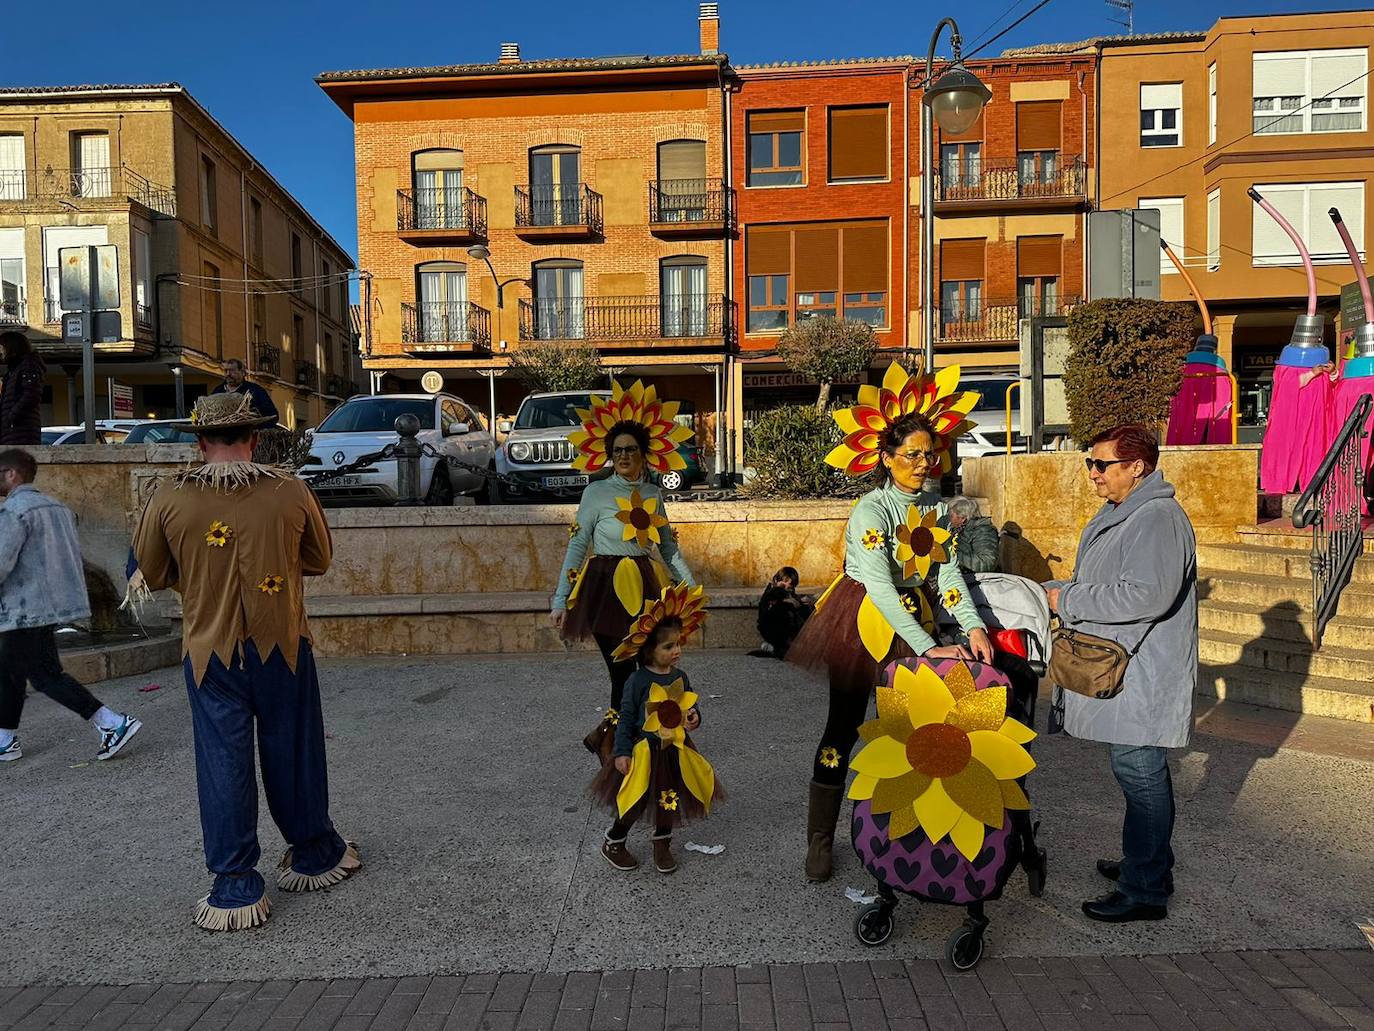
[{"x": 1018, "y": 619}]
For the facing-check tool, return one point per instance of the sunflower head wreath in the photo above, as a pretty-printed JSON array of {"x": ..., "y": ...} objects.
[
  {"x": 936, "y": 396},
  {"x": 638, "y": 404},
  {"x": 687, "y": 604}
]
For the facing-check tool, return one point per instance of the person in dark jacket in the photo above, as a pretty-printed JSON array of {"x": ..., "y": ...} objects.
[
  {"x": 21, "y": 396},
  {"x": 781, "y": 614},
  {"x": 236, "y": 383},
  {"x": 977, "y": 546}
]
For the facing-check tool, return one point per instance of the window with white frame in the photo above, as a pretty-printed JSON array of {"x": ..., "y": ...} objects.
[
  {"x": 1212, "y": 103},
  {"x": 143, "y": 277},
  {"x": 1305, "y": 205},
  {"x": 1170, "y": 227},
  {"x": 1161, "y": 114},
  {"x": 12, "y": 167},
  {"x": 1214, "y": 230},
  {"x": 1307, "y": 91},
  {"x": 13, "y": 311}
]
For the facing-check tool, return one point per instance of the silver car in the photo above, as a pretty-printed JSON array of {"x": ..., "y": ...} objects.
[
  {"x": 536, "y": 458},
  {"x": 364, "y": 425}
]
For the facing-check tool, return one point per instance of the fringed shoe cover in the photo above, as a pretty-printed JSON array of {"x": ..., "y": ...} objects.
[
  {"x": 241, "y": 918},
  {"x": 289, "y": 880}
]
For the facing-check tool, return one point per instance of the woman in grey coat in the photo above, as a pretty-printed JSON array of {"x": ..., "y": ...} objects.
[{"x": 1135, "y": 583}]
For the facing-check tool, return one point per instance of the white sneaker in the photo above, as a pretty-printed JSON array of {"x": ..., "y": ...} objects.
[
  {"x": 11, "y": 751},
  {"x": 111, "y": 741}
]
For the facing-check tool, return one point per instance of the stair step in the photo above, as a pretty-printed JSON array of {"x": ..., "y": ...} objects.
[
  {"x": 1311, "y": 696},
  {"x": 1290, "y": 539},
  {"x": 1217, "y": 648},
  {"x": 1270, "y": 591},
  {"x": 1284, "y": 624},
  {"x": 1273, "y": 561}
]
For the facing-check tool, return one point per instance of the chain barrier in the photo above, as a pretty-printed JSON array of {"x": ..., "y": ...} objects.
[{"x": 325, "y": 476}]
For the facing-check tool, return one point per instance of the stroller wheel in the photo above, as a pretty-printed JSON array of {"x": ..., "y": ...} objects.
[
  {"x": 1036, "y": 873},
  {"x": 873, "y": 926},
  {"x": 964, "y": 947}
]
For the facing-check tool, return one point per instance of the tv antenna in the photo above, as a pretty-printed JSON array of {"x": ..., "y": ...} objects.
[{"x": 1127, "y": 17}]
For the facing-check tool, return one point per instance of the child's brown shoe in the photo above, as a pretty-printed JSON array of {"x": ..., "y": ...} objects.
[
  {"x": 664, "y": 860},
  {"x": 619, "y": 856}
]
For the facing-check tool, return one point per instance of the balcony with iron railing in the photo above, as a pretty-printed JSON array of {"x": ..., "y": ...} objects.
[
  {"x": 267, "y": 359},
  {"x": 87, "y": 187},
  {"x": 307, "y": 376},
  {"x": 690, "y": 207},
  {"x": 440, "y": 214},
  {"x": 629, "y": 322},
  {"x": 14, "y": 311},
  {"x": 1056, "y": 184},
  {"x": 443, "y": 327},
  {"x": 557, "y": 211},
  {"x": 994, "y": 321},
  {"x": 336, "y": 386}
]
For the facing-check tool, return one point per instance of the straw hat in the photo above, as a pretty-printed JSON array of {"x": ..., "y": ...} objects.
[{"x": 225, "y": 411}]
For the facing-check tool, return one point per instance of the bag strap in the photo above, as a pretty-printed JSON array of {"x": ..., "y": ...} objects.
[{"x": 1130, "y": 654}]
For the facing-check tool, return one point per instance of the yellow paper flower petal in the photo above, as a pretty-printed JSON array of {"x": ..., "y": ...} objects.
[
  {"x": 975, "y": 790},
  {"x": 624, "y": 503},
  {"x": 657, "y": 693},
  {"x": 629, "y": 585},
  {"x": 928, "y": 700},
  {"x": 903, "y": 822},
  {"x": 959, "y": 680},
  {"x": 1004, "y": 757},
  {"x": 698, "y": 775},
  {"x": 652, "y": 724},
  {"x": 1012, "y": 795},
  {"x": 892, "y": 713},
  {"x": 1017, "y": 731},
  {"x": 862, "y": 787},
  {"x": 967, "y": 835},
  {"x": 981, "y": 710},
  {"x": 825, "y": 596},
  {"x": 883, "y": 758},
  {"x": 891, "y": 795},
  {"x": 874, "y": 630},
  {"x": 650, "y": 505},
  {"x": 871, "y": 731},
  {"x": 636, "y": 782},
  {"x": 936, "y": 811},
  {"x": 688, "y": 700}
]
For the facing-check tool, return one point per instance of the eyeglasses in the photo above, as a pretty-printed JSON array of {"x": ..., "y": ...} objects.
[
  {"x": 912, "y": 456},
  {"x": 625, "y": 452},
  {"x": 1100, "y": 464}
]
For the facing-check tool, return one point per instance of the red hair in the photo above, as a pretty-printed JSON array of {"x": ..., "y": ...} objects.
[{"x": 1133, "y": 444}]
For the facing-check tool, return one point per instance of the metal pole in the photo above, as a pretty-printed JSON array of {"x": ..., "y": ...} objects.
[
  {"x": 491, "y": 384},
  {"x": 720, "y": 428},
  {"x": 88, "y": 342},
  {"x": 927, "y": 239},
  {"x": 179, "y": 380},
  {"x": 71, "y": 395}
]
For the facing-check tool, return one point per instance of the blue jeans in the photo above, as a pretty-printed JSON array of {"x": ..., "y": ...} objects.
[{"x": 1143, "y": 773}]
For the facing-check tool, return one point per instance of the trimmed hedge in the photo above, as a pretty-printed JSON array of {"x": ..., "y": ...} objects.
[{"x": 786, "y": 448}]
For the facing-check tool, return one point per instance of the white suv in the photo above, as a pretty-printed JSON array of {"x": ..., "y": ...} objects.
[{"x": 989, "y": 436}]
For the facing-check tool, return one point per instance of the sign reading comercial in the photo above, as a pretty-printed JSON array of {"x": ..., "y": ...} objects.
[{"x": 774, "y": 380}]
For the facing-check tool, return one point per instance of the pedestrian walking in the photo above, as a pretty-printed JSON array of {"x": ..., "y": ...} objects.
[
  {"x": 1135, "y": 584},
  {"x": 236, "y": 382},
  {"x": 234, "y": 538},
  {"x": 21, "y": 393},
  {"x": 42, "y": 586}
]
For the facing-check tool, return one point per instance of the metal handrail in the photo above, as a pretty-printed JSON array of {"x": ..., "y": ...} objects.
[
  {"x": 1332, "y": 505},
  {"x": 1013, "y": 385}
]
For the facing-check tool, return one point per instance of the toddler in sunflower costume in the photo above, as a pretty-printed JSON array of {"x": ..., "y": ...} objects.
[{"x": 655, "y": 772}]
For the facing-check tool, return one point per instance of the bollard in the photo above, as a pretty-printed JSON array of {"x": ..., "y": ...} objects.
[{"x": 407, "y": 461}]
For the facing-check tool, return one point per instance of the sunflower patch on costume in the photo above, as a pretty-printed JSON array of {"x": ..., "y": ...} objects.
[
  {"x": 642, "y": 519},
  {"x": 665, "y": 720},
  {"x": 218, "y": 535},
  {"x": 272, "y": 583},
  {"x": 873, "y": 539},
  {"x": 920, "y": 542}
]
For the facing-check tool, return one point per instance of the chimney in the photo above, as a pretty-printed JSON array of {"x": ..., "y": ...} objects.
[
  {"x": 710, "y": 28},
  {"x": 510, "y": 53}
]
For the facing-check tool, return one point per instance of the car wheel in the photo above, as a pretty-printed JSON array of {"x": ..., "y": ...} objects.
[
  {"x": 671, "y": 480},
  {"x": 491, "y": 489},
  {"x": 440, "y": 489}
]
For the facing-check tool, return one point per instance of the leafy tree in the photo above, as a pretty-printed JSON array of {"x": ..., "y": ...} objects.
[
  {"x": 550, "y": 365},
  {"x": 786, "y": 448},
  {"x": 828, "y": 350}
]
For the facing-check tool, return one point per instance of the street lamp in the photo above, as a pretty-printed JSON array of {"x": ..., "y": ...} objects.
[
  {"x": 480, "y": 253},
  {"x": 955, "y": 99}
]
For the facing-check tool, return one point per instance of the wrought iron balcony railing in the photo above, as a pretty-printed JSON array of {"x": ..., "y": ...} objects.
[
  {"x": 431, "y": 208},
  {"x": 267, "y": 359},
  {"x": 625, "y": 318},
  {"x": 689, "y": 202},
  {"x": 14, "y": 184},
  {"x": 89, "y": 184},
  {"x": 558, "y": 206},
  {"x": 337, "y": 386},
  {"x": 428, "y": 324},
  {"x": 143, "y": 314},
  {"x": 14, "y": 311},
  {"x": 307, "y": 376},
  {"x": 1026, "y": 179},
  {"x": 994, "y": 319}
]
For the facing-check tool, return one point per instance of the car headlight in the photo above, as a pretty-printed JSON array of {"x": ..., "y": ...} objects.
[{"x": 519, "y": 452}]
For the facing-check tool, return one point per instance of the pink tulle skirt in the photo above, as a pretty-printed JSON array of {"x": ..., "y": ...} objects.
[
  {"x": 1201, "y": 410},
  {"x": 1301, "y": 428}
]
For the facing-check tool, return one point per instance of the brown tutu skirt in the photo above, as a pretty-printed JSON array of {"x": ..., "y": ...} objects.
[
  {"x": 830, "y": 641},
  {"x": 597, "y": 609},
  {"x": 667, "y": 803}
]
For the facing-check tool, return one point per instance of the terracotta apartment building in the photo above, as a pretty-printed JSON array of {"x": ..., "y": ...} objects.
[
  {"x": 215, "y": 259},
  {"x": 599, "y": 188}
]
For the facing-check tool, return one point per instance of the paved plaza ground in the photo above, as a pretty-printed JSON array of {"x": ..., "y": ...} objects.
[{"x": 462, "y": 780}]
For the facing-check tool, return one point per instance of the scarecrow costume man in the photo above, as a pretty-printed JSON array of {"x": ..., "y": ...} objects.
[{"x": 234, "y": 538}]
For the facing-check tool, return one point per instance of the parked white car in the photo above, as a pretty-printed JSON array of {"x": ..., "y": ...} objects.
[
  {"x": 989, "y": 435},
  {"x": 363, "y": 425},
  {"x": 54, "y": 436}
]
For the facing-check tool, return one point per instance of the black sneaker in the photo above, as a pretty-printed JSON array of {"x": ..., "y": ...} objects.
[{"x": 111, "y": 741}]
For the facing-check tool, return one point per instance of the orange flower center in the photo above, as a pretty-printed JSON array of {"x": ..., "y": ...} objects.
[
  {"x": 938, "y": 750},
  {"x": 640, "y": 519},
  {"x": 669, "y": 715},
  {"x": 922, "y": 541}
]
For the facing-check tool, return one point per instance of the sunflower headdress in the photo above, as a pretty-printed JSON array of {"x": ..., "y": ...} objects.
[
  {"x": 686, "y": 603},
  {"x": 937, "y": 397},
  {"x": 942, "y": 756},
  {"x": 639, "y": 404}
]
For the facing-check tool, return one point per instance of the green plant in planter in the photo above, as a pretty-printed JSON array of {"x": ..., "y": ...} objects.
[
  {"x": 786, "y": 448},
  {"x": 553, "y": 365},
  {"x": 826, "y": 350},
  {"x": 1125, "y": 363}
]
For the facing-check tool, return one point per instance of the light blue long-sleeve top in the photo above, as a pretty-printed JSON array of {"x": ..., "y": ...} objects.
[
  {"x": 598, "y": 532},
  {"x": 870, "y": 546}
]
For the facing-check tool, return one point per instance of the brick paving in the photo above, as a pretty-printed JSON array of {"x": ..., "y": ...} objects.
[{"x": 1251, "y": 990}]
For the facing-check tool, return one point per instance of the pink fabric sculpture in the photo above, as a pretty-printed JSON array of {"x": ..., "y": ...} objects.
[
  {"x": 1201, "y": 410},
  {"x": 1300, "y": 428},
  {"x": 1347, "y": 394}
]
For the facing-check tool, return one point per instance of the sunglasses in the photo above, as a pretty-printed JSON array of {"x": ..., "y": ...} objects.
[
  {"x": 1100, "y": 464},
  {"x": 912, "y": 456},
  {"x": 624, "y": 452}
]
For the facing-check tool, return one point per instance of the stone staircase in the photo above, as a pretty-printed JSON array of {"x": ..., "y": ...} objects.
[{"x": 1255, "y": 619}]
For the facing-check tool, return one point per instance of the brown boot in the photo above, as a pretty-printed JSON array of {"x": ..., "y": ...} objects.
[
  {"x": 664, "y": 860},
  {"x": 618, "y": 855},
  {"x": 821, "y": 815}
]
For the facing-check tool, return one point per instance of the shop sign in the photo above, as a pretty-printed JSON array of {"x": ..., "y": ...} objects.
[
  {"x": 1256, "y": 364},
  {"x": 1352, "y": 307},
  {"x": 775, "y": 380}
]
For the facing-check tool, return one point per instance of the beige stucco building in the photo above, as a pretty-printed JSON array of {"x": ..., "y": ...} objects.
[{"x": 215, "y": 259}]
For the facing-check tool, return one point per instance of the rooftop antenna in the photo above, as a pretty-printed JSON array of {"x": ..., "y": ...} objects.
[{"x": 1127, "y": 18}]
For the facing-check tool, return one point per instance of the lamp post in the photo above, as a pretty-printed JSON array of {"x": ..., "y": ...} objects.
[
  {"x": 955, "y": 100},
  {"x": 478, "y": 252}
]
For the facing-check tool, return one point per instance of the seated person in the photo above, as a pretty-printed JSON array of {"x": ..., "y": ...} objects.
[
  {"x": 781, "y": 613},
  {"x": 975, "y": 536}
]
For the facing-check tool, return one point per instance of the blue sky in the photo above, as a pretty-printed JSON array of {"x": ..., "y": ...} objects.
[{"x": 255, "y": 69}]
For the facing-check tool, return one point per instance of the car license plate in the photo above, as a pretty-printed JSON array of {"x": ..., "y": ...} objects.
[
  {"x": 565, "y": 481},
  {"x": 344, "y": 481}
]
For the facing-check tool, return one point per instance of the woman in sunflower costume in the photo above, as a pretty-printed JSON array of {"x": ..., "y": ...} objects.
[
  {"x": 621, "y": 546},
  {"x": 656, "y": 773},
  {"x": 879, "y": 610}
]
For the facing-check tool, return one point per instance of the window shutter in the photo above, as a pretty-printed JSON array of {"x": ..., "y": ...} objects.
[
  {"x": 1170, "y": 226},
  {"x": 1270, "y": 244},
  {"x": 682, "y": 159},
  {"x": 768, "y": 252},
  {"x": 1321, "y": 235},
  {"x": 962, "y": 259},
  {"x": 438, "y": 160},
  {"x": 1165, "y": 96},
  {"x": 865, "y": 259},
  {"x": 1037, "y": 124},
  {"x": 858, "y": 142},
  {"x": 12, "y": 153},
  {"x": 1280, "y": 76},
  {"x": 1214, "y": 230},
  {"x": 973, "y": 134},
  {"x": 1039, "y": 255},
  {"x": 95, "y": 151},
  {"x": 1338, "y": 75},
  {"x": 818, "y": 259},
  {"x": 777, "y": 121}
]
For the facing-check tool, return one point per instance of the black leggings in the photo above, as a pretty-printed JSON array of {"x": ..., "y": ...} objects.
[
  {"x": 847, "y": 711},
  {"x": 619, "y": 671},
  {"x": 30, "y": 655},
  {"x": 620, "y": 830}
]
